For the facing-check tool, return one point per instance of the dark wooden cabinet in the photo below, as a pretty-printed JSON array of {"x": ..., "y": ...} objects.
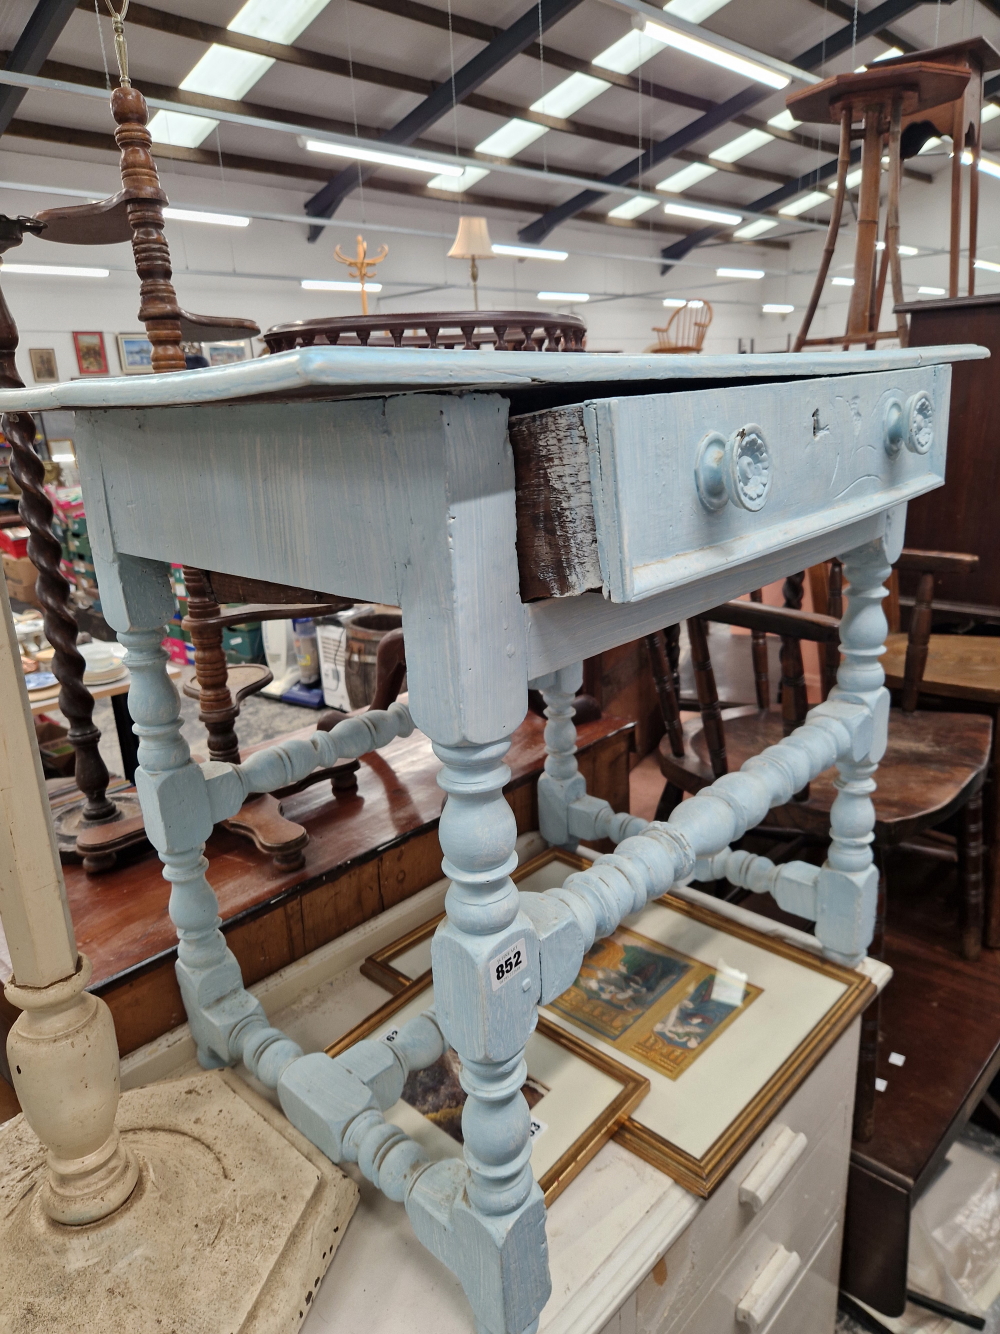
[{"x": 965, "y": 513}]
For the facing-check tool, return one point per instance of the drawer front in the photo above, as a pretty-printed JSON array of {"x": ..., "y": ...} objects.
[
  {"x": 796, "y": 1213},
  {"x": 686, "y": 484},
  {"x": 811, "y": 1304}
]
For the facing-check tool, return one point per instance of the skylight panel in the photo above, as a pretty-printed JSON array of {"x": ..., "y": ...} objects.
[
  {"x": 632, "y": 208},
  {"x": 695, "y": 11},
  {"x": 990, "y": 111},
  {"x": 565, "y": 98},
  {"x": 225, "y": 71},
  {"x": 628, "y": 53},
  {"x": 852, "y": 179},
  {"x": 784, "y": 120},
  {"x": 458, "y": 184},
  {"x": 511, "y": 138},
  {"x": 756, "y": 228},
  {"x": 683, "y": 180},
  {"x": 741, "y": 146},
  {"x": 803, "y": 205}
]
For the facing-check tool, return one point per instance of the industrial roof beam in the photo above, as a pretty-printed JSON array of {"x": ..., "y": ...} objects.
[
  {"x": 36, "y": 41},
  {"x": 473, "y": 73},
  {"x": 818, "y": 54}
]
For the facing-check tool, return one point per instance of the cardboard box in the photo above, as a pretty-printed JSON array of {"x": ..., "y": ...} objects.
[
  {"x": 21, "y": 575},
  {"x": 243, "y": 643},
  {"x": 14, "y": 541}
]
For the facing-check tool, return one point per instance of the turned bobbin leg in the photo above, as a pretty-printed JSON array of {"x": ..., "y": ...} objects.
[
  {"x": 562, "y": 781},
  {"x": 486, "y": 973}
]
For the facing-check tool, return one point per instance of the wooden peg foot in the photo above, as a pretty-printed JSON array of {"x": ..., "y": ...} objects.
[{"x": 261, "y": 821}]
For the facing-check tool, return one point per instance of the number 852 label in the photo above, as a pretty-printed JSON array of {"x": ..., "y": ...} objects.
[{"x": 507, "y": 965}]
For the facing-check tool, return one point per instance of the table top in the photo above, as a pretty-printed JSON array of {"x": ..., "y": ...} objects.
[{"x": 347, "y": 372}]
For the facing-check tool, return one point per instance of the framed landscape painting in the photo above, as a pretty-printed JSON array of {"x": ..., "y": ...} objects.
[{"x": 135, "y": 354}]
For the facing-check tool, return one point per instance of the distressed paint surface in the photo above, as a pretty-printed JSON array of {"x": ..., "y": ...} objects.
[{"x": 828, "y": 466}]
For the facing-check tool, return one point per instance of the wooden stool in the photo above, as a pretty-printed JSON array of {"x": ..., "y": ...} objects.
[
  {"x": 960, "y": 120},
  {"x": 879, "y": 98}
]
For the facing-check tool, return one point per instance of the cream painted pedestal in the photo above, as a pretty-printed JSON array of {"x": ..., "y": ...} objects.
[{"x": 631, "y": 1252}]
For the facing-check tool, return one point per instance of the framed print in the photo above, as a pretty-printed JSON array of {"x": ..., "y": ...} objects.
[
  {"x": 135, "y": 354},
  {"x": 224, "y": 354},
  {"x": 409, "y": 957},
  {"x": 724, "y": 1021},
  {"x": 91, "y": 358},
  {"x": 578, "y": 1097},
  {"x": 43, "y": 365}
]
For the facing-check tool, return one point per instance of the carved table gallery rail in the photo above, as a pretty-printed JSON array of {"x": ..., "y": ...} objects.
[{"x": 647, "y": 489}]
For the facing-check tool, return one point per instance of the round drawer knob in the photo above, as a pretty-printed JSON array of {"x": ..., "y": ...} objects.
[
  {"x": 919, "y": 422},
  {"x": 737, "y": 469},
  {"x": 893, "y": 427}
]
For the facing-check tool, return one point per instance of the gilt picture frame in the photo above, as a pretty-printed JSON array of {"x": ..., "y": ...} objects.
[
  {"x": 578, "y": 1097},
  {"x": 725, "y": 1021}
]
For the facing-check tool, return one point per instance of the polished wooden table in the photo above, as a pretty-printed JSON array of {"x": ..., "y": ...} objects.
[{"x": 629, "y": 493}]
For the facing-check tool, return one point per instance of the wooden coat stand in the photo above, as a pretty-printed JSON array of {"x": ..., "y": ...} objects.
[{"x": 878, "y": 99}]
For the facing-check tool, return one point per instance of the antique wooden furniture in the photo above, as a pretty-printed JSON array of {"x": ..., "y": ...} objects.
[
  {"x": 685, "y": 330},
  {"x": 504, "y": 330},
  {"x": 96, "y": 812},
  {"x": 880, "y": 99},
  {"x": 418, "y": 497},
  {"x": 934, "y": 766},
  {"x": 961, "y": 121},
  {"x": 360, "y": 267},
  {"x": 951, "y": 671}
]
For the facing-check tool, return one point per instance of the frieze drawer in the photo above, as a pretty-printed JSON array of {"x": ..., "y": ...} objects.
[{"x": 645, "y": 494}]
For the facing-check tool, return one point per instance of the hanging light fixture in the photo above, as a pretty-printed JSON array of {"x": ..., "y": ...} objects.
[{"x": 472, "y": 242}]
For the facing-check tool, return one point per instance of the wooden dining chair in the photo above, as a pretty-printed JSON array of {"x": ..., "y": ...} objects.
[
  {"x": 934, "y": 767},
  {"x": 951, "y": 672}
]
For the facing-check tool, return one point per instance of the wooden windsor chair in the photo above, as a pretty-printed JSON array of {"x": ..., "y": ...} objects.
[
  {"x": 934, "y": 767},
  {"x": 950, "y": 672},
  {"x": 685, "y": 330}
]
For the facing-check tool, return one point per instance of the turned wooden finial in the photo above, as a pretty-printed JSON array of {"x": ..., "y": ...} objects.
[{"x": 158, "y": 308}]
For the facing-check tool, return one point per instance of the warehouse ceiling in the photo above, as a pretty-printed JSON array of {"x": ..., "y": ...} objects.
[{"x": 571, "y": 92}]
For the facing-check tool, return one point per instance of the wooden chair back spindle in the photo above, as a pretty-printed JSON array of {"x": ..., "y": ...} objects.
[
  {"x": 663, "y": 679},
  {"x": 758, "y": 651},
  {"x": 708, "y": 696}
]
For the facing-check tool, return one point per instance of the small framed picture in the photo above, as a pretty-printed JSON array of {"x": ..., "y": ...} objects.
[
  {"x": 578, "y": 1097},
  {"x": 91, "y": 356},
  {"x": 135, "y": 354},
  {"x": 43, "y": 365},
  {"x": 724, "y": 1021},
  {"x": 224, "y": 354}
]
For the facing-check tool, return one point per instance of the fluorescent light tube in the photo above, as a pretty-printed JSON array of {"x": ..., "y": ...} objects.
[
  {"x": 776, "y": 308},
  {"x": 990, "y": 111},
  {"x": 332, "y": 285},
  {"x": 739, "y": 273},
  {"x": 803, "y": 205},
  {"x": 194, "y": 215},
  {"x": 383, "y": 159},
  {"x": 978, "y": 264},
  {"x": 530, "y": 252},
  {"x": 702, "y": 214},
  {"x": 674, "y": 302},
  {"x": 990, "y": 167},
  {"x": 842, "y": 282},
  {"x": 930, "y": 291},
  {"x": 632, "y": 208},
  {"x": 756, "y": 228},
  {"x": 570, "y": 298},
  {"x": 716, "y": 55},
  {"x": 687, "y": 176},
  {"x": 741, "y": 146},
  {"x": 57, "y": 270}
]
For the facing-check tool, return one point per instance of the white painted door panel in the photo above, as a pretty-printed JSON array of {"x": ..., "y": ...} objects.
[{"x": 825, "y": 465}]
